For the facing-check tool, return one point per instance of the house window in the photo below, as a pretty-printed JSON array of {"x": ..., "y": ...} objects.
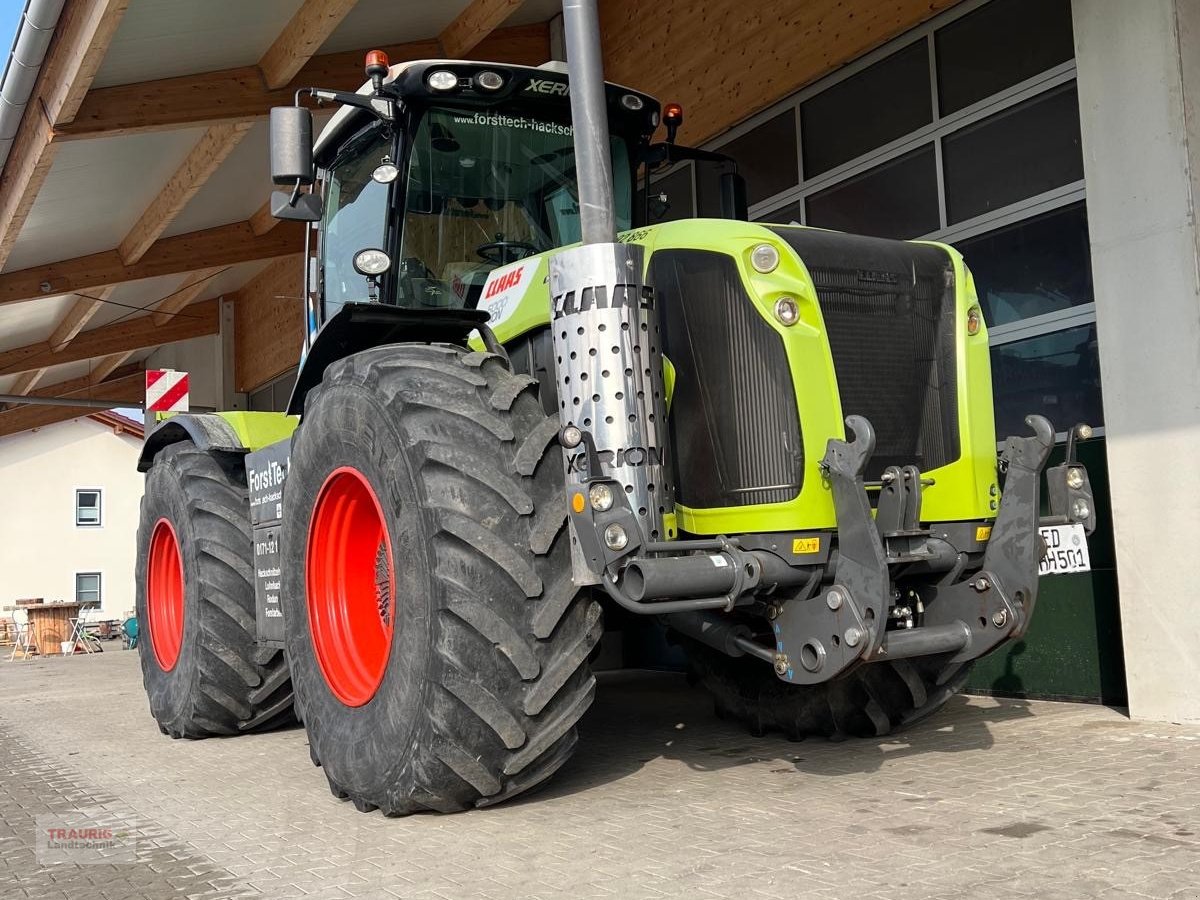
[
  {"x": 87, "y": 587},
  {"x": 87, "y": 508}
]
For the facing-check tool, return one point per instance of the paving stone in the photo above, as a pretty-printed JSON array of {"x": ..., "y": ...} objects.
[{"x": 995, "y": 799}]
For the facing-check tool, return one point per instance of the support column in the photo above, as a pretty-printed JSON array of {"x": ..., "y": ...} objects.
[{"x": 1139, "y": 94}]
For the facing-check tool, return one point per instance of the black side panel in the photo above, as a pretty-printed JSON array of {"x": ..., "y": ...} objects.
[
  {"x": 735, "y": 432},
  {"x": 361, "y": 326},
  {"x": 889, "y": 311}
]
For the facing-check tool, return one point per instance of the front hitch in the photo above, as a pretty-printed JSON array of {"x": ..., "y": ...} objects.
[{"x": 845, "y": 626}]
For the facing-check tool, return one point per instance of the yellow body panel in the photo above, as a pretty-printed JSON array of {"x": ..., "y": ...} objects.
[{"x": 963, "y": 490}]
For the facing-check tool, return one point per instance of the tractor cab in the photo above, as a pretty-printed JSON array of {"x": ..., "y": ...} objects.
[
  {"x": 444, "y": 171},
  {"x": 438, "y": 172}
]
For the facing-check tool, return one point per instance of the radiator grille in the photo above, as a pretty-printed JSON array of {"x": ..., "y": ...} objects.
[
  {"x": 734, "y": 427},
  {"x": 889, "y": 309}
]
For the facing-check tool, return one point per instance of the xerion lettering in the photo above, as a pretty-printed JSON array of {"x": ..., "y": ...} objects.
[
  {"x": 623, "y": 456},
  {"x": 543, "y": 86}
]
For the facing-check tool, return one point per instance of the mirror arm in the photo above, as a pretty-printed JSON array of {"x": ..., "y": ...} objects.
[
  {"x": 670, "y": 153},
  {"x": 383, "y": 107}
]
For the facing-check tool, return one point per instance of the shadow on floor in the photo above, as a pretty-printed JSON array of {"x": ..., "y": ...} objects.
[{"x": 639, "y": 717}]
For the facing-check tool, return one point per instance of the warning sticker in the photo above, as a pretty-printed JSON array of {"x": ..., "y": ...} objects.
[{"x": 806, "y": 545}]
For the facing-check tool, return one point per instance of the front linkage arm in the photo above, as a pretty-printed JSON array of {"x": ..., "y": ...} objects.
[{"x": 845, "y": 626}]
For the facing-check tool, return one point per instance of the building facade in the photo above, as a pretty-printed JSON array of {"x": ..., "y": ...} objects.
[{"x": 70, "y": 497}]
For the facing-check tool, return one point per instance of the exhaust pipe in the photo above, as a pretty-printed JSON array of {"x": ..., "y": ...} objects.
[
  {"x": 589, "y": 115},
  {"x": 605, "y": 324}
]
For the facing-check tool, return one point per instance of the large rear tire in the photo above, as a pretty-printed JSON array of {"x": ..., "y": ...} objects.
[
  {"x": 203, "y": 672},
  {"x": 871, "y": 701},
  {"x": 438, "y": 645}
]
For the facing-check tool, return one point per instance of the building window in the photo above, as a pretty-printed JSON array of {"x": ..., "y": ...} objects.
[
  {"x": 896, "y": 199},
  {"x": 87, "y": 508},
  {"x": 87, "y": 587},
  {"x": 1056, "y": 373},
  {"x": 895, "y": 89},
  {"x": 1033, "y": 267},
  {"x": 999, "y": 45},
  {"x": 763, "y": 154},
  {"x": 274, "y": 395},
  {"x": 1024, "y": 151},
  {"x": 962, "y": 131}
]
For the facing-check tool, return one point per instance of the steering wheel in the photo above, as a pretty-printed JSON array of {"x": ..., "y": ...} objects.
[{"x": 500, "y": 253}]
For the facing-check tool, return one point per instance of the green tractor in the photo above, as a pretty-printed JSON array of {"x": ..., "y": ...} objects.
[{"x": 520, "y": 403}]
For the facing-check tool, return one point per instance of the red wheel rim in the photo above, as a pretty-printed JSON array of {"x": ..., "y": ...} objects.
[
  {"x": 350, "y": 586},
  {"x": 164, "y": 595}
]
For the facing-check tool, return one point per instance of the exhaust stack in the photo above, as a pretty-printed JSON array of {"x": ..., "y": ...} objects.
[
  {"x": 589, "y": 114},
  {"x": 604, "y": 322}
]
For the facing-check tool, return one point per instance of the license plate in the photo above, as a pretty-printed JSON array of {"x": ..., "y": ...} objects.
[{"x": 1066, "y": 550}]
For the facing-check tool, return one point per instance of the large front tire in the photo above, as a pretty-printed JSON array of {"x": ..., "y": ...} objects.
[
  {"x": 870, "y": 701},
  {"x": 204, "y": 675},
  {"x": 438, "y": 645}
]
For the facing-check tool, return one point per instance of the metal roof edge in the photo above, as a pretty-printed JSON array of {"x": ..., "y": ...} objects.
[{"x": 30, "y": 43}]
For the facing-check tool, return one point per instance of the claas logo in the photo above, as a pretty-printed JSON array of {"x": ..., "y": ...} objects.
[{"x": 503, "y": 283}]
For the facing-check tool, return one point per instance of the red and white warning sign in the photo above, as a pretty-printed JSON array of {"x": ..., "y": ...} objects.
[{"x": 166, "y": 390}]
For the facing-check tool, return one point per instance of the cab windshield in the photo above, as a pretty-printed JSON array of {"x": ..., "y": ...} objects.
[{"x": 485, "y": 189}]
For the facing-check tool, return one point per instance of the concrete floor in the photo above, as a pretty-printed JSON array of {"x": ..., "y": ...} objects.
[{"x": 990, "y": 799}]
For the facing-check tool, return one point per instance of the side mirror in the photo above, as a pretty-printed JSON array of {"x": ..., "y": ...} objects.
[
  {"x": 291, "y": 146},
  {"x": 292, "y": 164},
  {"x": 296, "y": 207}
]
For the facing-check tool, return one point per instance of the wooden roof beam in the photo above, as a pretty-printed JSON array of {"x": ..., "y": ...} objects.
[
  {"x": 191, "y": 288},
  {"x": 239, "y": 94},
  {"x": 206, "y": 157},
  {"x": 77, "y": 317},
  {"x": 81, "y": 38},
  {"x": 309, "y": 28},
  {"x": 305, "y": 33},
  {"x": 182, "y": 253},
  {"x": 106, "y": 365},
  {"x": 262, "y": 221},
  {"x": 27, "y": 382},
  {"x": 126, "y": 335},
  {"x": 475, "y": 23},
  {"x": 69, "y": 387}
]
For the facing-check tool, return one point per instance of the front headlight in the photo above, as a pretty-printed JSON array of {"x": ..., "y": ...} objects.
[
  {"x": 371, "y": 262},
  {"x": 764, "y": 258},
  {"x": 442, "y": 80},
  {"x": 787, "y": 311},
  {"x": 615, "y": 537},
  {"x": 601, "y": 496}
]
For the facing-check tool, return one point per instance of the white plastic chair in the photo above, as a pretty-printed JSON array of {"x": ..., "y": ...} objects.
[{"x": 24, "y": 641}]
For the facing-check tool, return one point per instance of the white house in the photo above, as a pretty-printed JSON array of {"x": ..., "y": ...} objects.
[{"x": 69, "y": 497}]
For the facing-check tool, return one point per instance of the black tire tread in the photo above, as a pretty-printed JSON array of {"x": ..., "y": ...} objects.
[
  {"x": 233, "y": 691},
  {"x": 502, "y": 719},
  {"x": 870, "y": 701}
]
